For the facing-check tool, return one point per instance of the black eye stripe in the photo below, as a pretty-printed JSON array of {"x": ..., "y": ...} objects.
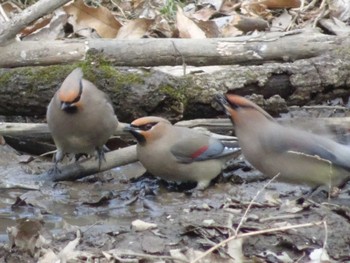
[
  {"x": 245, "y": 106},
  {"x": 145, "y": 127}
]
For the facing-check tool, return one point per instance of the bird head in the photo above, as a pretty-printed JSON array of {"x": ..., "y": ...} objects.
[
  {"x": 146, "y": 129},
  {"x": 239, "y": 108},
  {"x": 71, "y": 91}
]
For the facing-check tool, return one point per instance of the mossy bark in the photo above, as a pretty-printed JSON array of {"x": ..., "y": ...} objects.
[{"x": 138, "y": 92}]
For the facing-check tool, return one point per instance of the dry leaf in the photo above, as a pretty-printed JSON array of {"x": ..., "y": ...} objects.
[
  {"x": 209, "y": 28},
  {"x": 275, "y": 4},
  {"x": 228, "y": 7},
  {"x": 100, "y": 19},
  {"x": 25, "y": 235},
  {"x": 214, "y": 3},
  {"x": 249, "y": 24},
  {"x": 152, "y": 244},
  {"x": 48, "y": 257},
  {"x": 25, "y": 158},
  {"x": 336, "y": 26},
  {"x": 137, "y": 3},
  {"x": 36, "y": 25},
  {"x": 161, "y": 28},
  {"x": 238, "y": 24},
  {"x": 178, "y": 254},
  {"x": 187, "y": 27},
  {"x": 282, "y": 22},
  {"x": 9, "y": 9},
  {"x": 281, "y": 257},
  {"x": 135, "y": 29},
  {"x": 235, "y": 250},
  {"x": 48, "y": 31},
  {"x": 340, "y": 9},
  {"x": 256, "y": 10},
  {"x": 204, "y": 14},
  {"x": 229, "y": 30},
  {"x": 226, "y": 26},
  {"x": 222, "y": 21},
  {"x": 139, "y": 225},
  {"x": 319, "y": 255}
]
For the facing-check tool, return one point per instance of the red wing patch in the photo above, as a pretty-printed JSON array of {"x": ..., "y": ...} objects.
[{"x": 199, "y": 152}]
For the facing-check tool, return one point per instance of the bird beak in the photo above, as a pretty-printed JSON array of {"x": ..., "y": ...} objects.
[
  {"x": 221, "y": 99},
  {"x": 127, "y": 128},
  {"x": 65, "y": 106},
  {"x": 136, "y": 132}
]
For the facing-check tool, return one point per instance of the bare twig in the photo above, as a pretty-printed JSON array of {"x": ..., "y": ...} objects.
[
  {"x": 251, "y": 203},
  {"x": 279, "y": 218},
  {"x": 323, "y": 12},
  {"x": 11, "y": 28},
  {"x": 3, "y": 14},
  {"x": 88, "y": 167},
  {"x": 240, "y": 222},
  {"x": 37, "y": 129},
  {"x": 148, "y": 256},
  {"x": 259, "y": 232},
  {"x": 325, "y": 236}
]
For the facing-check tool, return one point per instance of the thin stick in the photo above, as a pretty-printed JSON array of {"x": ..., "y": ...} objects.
[
  {"x": 251, "y": 203},
  {"x": 265, "y": 231},
  {"x": 17, "y": 23},
  {"x": 242, "y": 219},
  {"x": 77, "y": 170},
  {"x": 149, "y": 256},
  {"x": 325, "y": 238}
]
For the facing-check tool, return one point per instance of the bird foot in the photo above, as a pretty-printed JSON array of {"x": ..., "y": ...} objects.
[
  {"x": 316, "y": 194},
  {"x": 54, "y": 170},
  {"x": 100, "y": 156}
]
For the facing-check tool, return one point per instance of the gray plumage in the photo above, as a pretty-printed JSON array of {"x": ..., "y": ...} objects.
[
  {"x": 298, "y": 156},
  {"x": 80, "y": 117},
  {"x": 178, "y": 153}
]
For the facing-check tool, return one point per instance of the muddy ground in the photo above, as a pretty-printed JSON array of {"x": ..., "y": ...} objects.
[{"x": 95, "y": 219}]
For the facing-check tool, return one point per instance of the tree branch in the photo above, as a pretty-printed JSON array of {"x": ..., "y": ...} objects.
[
  {"x": 282, "y": 47},
  {"x": 9, "y": 29}
]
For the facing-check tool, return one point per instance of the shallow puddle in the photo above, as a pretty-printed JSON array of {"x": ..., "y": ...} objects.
[{"x": 103, "y": 207}]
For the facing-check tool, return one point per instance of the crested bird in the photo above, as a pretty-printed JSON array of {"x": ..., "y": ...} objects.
[
  {"x": 298, "y": 156},
  {"x": 179, "y": 154},
  {"x": 80, "y": 117}
]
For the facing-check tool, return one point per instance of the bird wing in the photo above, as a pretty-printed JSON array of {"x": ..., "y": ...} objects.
[
  {"x": 200, "y": 148},
  {"x": 299, "y": 142}
]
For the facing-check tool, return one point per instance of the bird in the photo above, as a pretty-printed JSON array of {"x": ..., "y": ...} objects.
[
  {"x": 296, "y": 156},
  {"x": 80, "y": 118},
  {"x": 179, "y": 154}
]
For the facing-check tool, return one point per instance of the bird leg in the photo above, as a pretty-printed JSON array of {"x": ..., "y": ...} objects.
[
  {"x": 57, "y": 158},
  {"x": 54, "y": 170},
  {"x": 100, "y": 156}
]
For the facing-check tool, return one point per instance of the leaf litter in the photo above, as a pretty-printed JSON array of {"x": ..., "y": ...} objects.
[{"x": 93, "y": 220}]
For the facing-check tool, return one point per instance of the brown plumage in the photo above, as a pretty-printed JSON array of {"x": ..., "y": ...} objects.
[
  {"x": 298, "y": 156},
  {"x": 80, "y": 117},
  {"x": 178, "y": 153}
]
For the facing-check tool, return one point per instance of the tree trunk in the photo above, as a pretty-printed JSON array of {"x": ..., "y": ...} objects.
[
  {"x": 135, "y": 93},
  {"x": 276, "y": 46},
  {"x": 323, "y": 74}
]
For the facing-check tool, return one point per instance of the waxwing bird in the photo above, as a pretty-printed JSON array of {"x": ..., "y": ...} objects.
[
  {"x": 297, "y": 156},
  {"x": 178, "y": 153},
  {"x": 80, "y": 117}
]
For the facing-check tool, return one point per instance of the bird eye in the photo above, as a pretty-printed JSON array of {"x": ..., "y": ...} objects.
[{"x": 148, "y": 126}]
